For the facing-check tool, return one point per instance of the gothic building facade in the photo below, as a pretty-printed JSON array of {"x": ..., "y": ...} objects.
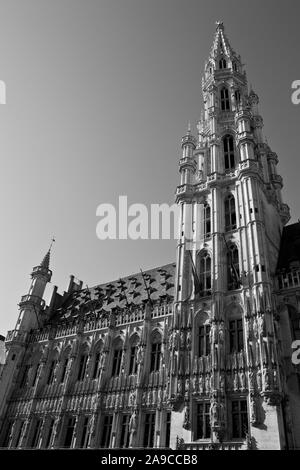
[{"x": 191, "y": 355}]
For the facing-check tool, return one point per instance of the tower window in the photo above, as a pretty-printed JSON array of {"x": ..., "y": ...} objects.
[
  {"x": 237, "y": 96},
  {"x": 205, "y": 273},
  {"x": 233, "y": 269},
  {"x": 230, "y": 214},
  {"x": 207, "y": 221},
  {"x": 236, "y": 337},
  {"x": 225, "y": 104},
  {"x": 222, "y": 64},
  {"x": 234, "y": 66},
  {"x": 203, "y": 430},
  {"x": 239, "y": 418},
  {"x": 204, "y": 343},
  {"x": 149, "y": 430},
  {"x": 228, "y": 148}
]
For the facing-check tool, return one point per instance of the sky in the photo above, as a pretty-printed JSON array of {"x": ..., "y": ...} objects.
[{"x": 99, "y": 94}]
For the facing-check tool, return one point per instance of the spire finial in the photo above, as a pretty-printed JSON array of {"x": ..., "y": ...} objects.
[
  {"x": 51, "y": 244},
  {"x": 220, "y": 25},
  {"x": 189, "y": 128},
  {"x": 46, "y": 260}
]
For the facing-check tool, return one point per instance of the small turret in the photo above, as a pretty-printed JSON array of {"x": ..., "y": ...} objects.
[
  {"x": 187, "y": 164},
  {"x": 33, "y": 304}
]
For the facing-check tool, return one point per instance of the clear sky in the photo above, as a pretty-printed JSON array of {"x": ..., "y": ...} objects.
[{"x": 99, "y": 93}]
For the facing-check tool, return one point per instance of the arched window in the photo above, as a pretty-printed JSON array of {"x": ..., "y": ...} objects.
[
  {"x": 230, "y": 214},
  {"x": 237, "y": 96},
  {"x": 117, "y": 358},
  {"x": 222, "y": 64},
  {"x": 96, "y": 365},
  {"x": 155, "y": 353},
  {"x": 233, "y": 268},
  {"x": 202, "y": 336},
  {"x": 82, "y": 365},
  {"x": 96, "y": 360},
  {"x": 133, "y": 364},
  {"x": 228, "y": 148},
  {"x": 294, "y": 317},
  {"x": 207, "y": 220},
  {"x": 64, "y": 364},
  {"x": 234, "y": 66},
  {"x": 205, "y": 273},
  {"x": 52, "y": 367},
  {"x": 225, "y": 103},
  {"x": 236, "y": 336}
]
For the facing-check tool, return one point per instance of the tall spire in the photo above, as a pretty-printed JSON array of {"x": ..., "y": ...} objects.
[
  {"x": 46, "y": 260},
  {"x": 221, "y": 45}
]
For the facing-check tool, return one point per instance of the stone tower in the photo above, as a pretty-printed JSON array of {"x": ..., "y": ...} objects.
[
  {"x": 31, "y": 316},
  {"x": 226, "y": 381}
]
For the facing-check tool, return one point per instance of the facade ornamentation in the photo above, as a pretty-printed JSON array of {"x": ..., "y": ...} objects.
[{"x": 114, "y": 365}]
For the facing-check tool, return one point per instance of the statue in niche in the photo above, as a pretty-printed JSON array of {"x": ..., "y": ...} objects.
[
  {"x": 221, "y": 333},
  {"x": 266, "y": 379},
  {"x": 214, "y": 413},
  {"x": 213, "y": 333},
  {"x": 261, "y": 325}
]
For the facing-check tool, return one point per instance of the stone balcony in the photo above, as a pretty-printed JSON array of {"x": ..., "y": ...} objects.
[
  {"x": 239, "y": 445},
  {"x": 32, "y": 300},
  {"x": 289, "y": 279},
  {"x": 16, "y": 335}
]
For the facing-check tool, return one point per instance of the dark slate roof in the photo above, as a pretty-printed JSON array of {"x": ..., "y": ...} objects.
[
  {"x": 122, "y": 293},
  {"x": 289, "y": 253}
]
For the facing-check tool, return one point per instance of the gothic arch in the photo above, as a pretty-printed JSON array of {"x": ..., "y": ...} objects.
[
  {"x": 97, "y": 346},
  {"x": 202, "y": 316},
  {"x": 234, "y": 310},
  {"x": 118, "y": 342},
  {"x": 230, "y": 212},
  {"x": 201, "y": 333},
  {"x": 134, "y": 338},
  {"x": 156, "y": 335}
]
